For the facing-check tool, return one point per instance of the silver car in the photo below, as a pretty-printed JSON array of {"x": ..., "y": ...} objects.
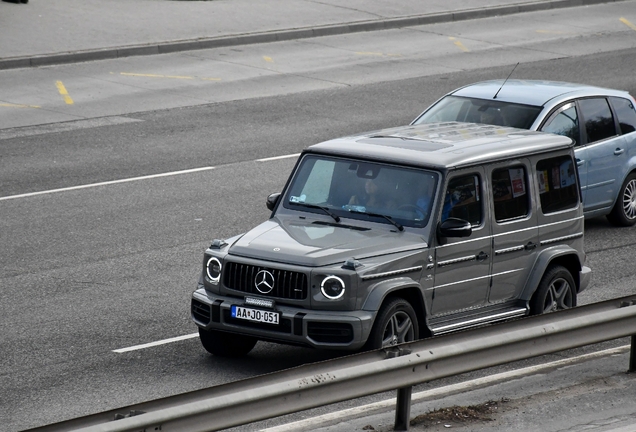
[{"x": 601, "y": 121}]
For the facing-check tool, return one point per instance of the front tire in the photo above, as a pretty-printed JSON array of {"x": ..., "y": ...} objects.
[
  {"x": 624, "y": 211},
  {"x": 396, "y": 323},
  {"x": 556, "y": 291},
  {"x": 224, "y": 344}
]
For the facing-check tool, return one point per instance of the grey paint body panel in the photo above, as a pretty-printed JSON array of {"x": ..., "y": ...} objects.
[{"x": 451, "y": 282}]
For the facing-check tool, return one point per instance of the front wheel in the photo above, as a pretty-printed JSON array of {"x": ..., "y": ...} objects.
[
  {"x": 624, "y": 211},
  {"x": 224, "y": 344},
  {"x": 396, "y": 323},
  {"x": 555, "y": 292}
]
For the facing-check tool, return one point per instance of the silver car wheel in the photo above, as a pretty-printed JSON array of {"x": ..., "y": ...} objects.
[{"x": 629, "y": 199}]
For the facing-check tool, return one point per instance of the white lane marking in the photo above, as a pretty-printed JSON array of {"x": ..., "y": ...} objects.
[
  {"x": 106, "y": 183},
  {"x": 278, "y": 157},
  {"x": 189, "y": 171},
  {"x": 315, "y": 422},
  {"x": 152, "y": 344}
]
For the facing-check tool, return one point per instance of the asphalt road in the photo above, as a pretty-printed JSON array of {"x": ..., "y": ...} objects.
[{"x": 110, "y": 262}]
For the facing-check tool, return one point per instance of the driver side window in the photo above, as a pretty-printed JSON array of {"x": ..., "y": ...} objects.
[
  {"x": 564, "y": 122},
  {"x": 462, "y": 199}
]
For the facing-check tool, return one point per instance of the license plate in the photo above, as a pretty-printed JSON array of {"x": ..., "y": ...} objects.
[{"x": 256, "y": 315}]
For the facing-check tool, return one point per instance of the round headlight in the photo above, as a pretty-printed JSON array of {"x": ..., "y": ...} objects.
[
  {"x": 332, "y": 287},
  {"x": 213, "y": 268}
]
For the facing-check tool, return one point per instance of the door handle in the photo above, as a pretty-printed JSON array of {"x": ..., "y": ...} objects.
[
  {"x": 482, "y": 256},
  {"x": 530, "y": 246},
  {"x": 619, "y": 151},
  {"x": 580, "y": 162}
]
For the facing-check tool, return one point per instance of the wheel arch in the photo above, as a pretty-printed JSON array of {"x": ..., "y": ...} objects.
[
  {"x": 613, "y": 216},
  {"x": 560, "y": 255},
  {"x": 631, "y": 170},
  {"x": 404, "y": 288}
]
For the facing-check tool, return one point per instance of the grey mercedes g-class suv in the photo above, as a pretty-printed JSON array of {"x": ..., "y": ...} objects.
[{"x": 394, "y": 235}]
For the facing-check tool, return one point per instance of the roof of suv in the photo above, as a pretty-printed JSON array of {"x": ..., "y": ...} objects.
[{"x": 443, "y": 145}]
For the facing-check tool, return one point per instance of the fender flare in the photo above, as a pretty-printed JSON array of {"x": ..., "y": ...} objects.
[
  {"x": 563, "y": 253},
  {"x": 383, "y": 289}
]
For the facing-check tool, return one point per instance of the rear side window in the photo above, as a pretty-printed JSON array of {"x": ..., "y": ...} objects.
[
  {"x": 599, "y": 123},
  {"x": 626, "y": 114},
  {"x": 556, "y": 178},
  {"x": 510, "y": 193}
]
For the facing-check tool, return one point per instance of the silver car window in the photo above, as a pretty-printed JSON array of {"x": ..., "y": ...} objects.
[
  {"x": 626, "y": 114},
  {"x": 486, "y": 111},
  {"x": 599, "y": 122},
  {"x": 564, "y": 121}
]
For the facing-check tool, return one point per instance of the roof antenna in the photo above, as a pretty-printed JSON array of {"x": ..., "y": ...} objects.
[{"x": 504, "y": 83}]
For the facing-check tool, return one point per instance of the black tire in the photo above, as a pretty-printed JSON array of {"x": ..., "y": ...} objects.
[
  {"x": 396, "y": 323},
  {"x": 224, "y": 344},
  {"x": 556, "y": 291},
  {"x": 624, "y": 211}
]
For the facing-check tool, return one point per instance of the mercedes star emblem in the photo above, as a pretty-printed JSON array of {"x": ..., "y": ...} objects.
[{"x": 264, "y": 281}]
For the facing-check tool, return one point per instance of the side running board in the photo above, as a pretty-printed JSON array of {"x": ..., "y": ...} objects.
[{"x": 477, "y": 321}]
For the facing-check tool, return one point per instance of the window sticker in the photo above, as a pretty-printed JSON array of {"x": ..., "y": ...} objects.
[
  {"x": 296, "y": 199},
  {"x": 567, "y": 174},
  {"x": 517, "y": 181},
  {"x": 556, "y": 177},
  {"x": 542, "y": 176}
]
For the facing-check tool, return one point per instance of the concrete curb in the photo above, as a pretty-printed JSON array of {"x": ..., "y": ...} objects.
[{"x": 290, "y": 34}]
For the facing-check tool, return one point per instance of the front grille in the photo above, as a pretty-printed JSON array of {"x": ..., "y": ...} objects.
[
  {"x": 287, "y": 284},
  {"x": 201, "y": 312},
  {"x": 330, "y": 332}
]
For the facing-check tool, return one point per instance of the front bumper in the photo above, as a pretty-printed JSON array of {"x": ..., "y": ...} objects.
[{"x": 297, "y": 326}]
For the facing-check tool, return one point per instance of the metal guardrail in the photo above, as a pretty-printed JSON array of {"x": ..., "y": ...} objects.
[{"x": 345, "y": 378}]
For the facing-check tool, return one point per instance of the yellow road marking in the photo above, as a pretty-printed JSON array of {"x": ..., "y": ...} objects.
[
  {"x": 628, "y": 24},
  {"x": 18, "y": 105},
  {"x": 268, "y": 59},
  {"x": 459, "y": 44},
  {"x": 64, "y": 93},
  {"x": 168, "y": 76}
]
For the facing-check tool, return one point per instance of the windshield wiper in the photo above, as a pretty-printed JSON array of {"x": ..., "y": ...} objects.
[
  {"x": 388, "y": 218},
  {"x": 325, "y": 209}
]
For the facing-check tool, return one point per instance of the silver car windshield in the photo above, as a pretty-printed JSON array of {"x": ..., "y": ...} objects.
[
  {"x": 486, "y": 111},
  {"x": 363, "y": 190}
]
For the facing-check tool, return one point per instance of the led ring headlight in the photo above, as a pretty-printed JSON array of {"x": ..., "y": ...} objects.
[
  {"x": 213, "y": 269},
  {"x": 332, "y": 287}
]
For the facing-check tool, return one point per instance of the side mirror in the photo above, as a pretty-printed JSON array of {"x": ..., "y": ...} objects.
[
  {"x": 272, "y": 200},
  {"x": 454, "y": 227}
]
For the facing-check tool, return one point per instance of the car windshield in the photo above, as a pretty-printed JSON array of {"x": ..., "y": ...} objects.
[
  {"x": 487, "y": 111},
  {"x": 362, "y": 190}
]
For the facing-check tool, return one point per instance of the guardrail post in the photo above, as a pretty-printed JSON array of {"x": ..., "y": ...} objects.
[
  {"x": 632, "y": 355},
  {"x": 403, "y": 409}
]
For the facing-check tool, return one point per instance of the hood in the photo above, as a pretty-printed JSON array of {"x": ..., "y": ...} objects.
[{"x": 316, "y": 243}]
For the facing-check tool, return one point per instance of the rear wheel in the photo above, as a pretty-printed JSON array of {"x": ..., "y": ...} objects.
[
  {"x": 624, "y": 211},
  {"x": 224, "y": 344},
  {"x": 555, "y": 292},
  {"x": 396, "y": 323}
]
